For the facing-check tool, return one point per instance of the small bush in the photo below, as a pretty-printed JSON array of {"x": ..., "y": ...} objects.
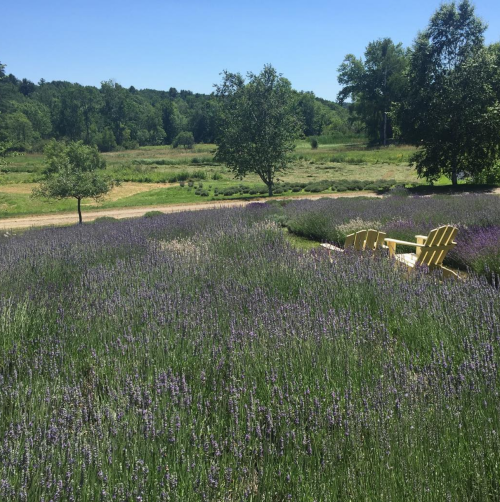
[
  {"x": 104, "y": 219},
  {"x": 314, "y": 143},
  {"x": 229, "y": 191},
  {"x": 153, "y": 214},
  {"x": 184, "y": 139},
  {"x": 320, "y": 186},
  {"x": 399, "y": 191}
]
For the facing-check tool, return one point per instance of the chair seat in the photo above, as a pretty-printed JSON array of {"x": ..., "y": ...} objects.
[{"x": 407, "y": 258}]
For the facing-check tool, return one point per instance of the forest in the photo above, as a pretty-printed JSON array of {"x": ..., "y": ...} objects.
[{"x": 113, "y": 117}]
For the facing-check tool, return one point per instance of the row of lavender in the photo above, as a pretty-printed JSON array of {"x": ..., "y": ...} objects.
[
  {"x": 200, "y": 357},
  {"x": 477, "y": 217}
]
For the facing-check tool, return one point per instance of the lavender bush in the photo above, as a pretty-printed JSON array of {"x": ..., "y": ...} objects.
[
  {"x": 477, "y": 216},
  {"x": 198, "y": 356}
]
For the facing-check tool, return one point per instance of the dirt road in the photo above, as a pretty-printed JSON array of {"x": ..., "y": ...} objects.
[{"x": 134, "y": 212}]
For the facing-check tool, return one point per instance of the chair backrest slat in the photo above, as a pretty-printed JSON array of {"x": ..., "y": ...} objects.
[
  {"x": 434, "y": 237},
  {"x": 446, "y": 241},
  {"x": 438, "y": 243},
  {"x": 359, "y": 240},
  {"x": 371, "y": 240},
  {"x": 349, "y": 241},
  {"x": 380, "y": 240}
]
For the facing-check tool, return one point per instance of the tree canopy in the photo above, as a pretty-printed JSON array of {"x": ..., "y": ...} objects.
[
  {"x": 373, "y": 85},
  {"x": 73, "y": 171},
  {"x": 451, "y": 105},
  {"x": 258, "y": 124}
]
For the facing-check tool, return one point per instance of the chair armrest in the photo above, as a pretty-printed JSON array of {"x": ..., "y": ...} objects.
[{"x": 396, "y": 241}]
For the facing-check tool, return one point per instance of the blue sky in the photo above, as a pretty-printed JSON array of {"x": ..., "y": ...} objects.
[{"x": 163, "y": 44}]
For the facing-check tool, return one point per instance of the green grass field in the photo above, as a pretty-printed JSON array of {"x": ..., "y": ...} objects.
[{"x": 152, "y": 175}]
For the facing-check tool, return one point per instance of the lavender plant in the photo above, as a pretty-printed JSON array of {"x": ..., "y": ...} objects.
[{"x": 477, "y": 216}]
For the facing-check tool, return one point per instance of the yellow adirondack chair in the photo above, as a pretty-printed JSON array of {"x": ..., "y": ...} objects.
[
  {"x": 431, "y": 250},
  {"x": 364, "y": 240}
]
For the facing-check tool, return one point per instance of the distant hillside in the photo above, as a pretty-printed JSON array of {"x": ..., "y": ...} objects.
[{"x": 114, "y": 117}]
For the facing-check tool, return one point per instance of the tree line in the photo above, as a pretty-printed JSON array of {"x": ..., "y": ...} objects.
[{"x": 114, "y": 117}]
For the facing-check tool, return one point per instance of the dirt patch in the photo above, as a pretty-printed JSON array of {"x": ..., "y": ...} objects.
[
  {"x": 128, "y": 189},
  {"x": 22, "y": 188}
]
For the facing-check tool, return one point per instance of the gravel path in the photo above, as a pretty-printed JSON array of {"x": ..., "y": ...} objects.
[{"x": 134, "y": 212}]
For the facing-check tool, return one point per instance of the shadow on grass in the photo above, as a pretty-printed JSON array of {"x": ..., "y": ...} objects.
[{"x": 451, "y": 190}]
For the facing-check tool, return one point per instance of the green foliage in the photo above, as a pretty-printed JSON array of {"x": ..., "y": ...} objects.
[
  {"x": 73, "y": 172},
  {"x": 373, "y": 85},
  {"x": 106, "y": 140},
  {"x": 105, "y": 219},
  {"x": 153, "y": 214},
  {"x": 184, "y": 139},
  {"x": 314, "y": 143},
  {"x": 114, "y": 118},
  {"x": 258, "y": 124},
  {"x": 451, "y": 110}
]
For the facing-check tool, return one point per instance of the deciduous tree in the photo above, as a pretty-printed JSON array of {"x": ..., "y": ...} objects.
[
  {"x": 73, "y": 171},
  {"x": 451, "y": 110},
  {"x": 374, "y": 85},
  {"x": 258, "y": 124}
]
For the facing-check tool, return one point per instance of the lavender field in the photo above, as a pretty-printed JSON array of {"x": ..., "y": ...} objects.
[{"x": 199, "y": 356}]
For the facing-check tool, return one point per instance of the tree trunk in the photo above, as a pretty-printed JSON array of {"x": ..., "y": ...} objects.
[
  {"x": 385, "y": 128},
  {"x": 80, "y": 221},
  {"x": 454, "y": 177},
  {"x": 270, "y": 188}
]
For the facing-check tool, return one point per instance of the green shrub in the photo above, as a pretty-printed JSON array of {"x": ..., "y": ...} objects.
[
  {"x": 314, "y": 143},
  {"x": 229, "y": 191},
  {"x": 184, "y": 139},
  {"x": 317, "y": 187},
  {"x": 153, "y": 214},
  {"x": 104, "y": 219}
]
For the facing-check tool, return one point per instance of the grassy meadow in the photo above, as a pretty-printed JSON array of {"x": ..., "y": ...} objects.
[
  {"x": 209, "y": 356},
  {"x": 154, "y": 175}
]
